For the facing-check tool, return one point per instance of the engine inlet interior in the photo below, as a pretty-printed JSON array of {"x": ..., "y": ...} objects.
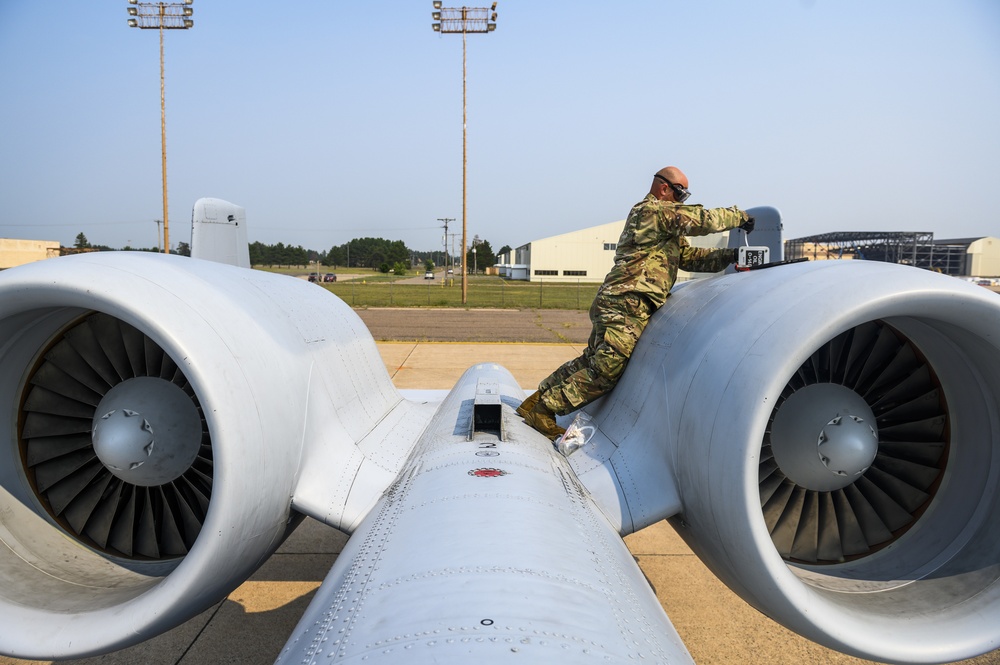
[
  {"x": 869, "y": 371},
  {"x": 144, "y": 492}
]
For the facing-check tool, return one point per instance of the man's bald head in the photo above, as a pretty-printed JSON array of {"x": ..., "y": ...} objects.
[{"x": 663, "y": 179}]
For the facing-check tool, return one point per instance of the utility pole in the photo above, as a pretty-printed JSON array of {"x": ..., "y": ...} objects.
[
  {"x": 446, "y": 220},
  {"x": 169, "y": 16},
  {"x": 464, "y": 20}
]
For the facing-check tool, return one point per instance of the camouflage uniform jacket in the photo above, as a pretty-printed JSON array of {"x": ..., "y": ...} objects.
[{"x": 652, "y": 247}]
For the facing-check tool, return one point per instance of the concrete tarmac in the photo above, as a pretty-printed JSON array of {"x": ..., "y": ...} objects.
[{"x": 250, "y": 626}]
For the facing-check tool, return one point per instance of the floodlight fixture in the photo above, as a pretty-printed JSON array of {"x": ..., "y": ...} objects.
[{"x": 161, "y": 15}]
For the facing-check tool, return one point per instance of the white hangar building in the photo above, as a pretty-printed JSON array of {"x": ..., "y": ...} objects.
[{"x": 578, "y": 256}]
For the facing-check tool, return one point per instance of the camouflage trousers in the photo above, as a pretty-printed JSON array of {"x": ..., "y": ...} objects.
[{"x": 618, "y": 321}]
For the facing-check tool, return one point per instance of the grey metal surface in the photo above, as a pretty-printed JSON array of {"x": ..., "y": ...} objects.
[
  {"x": 703, "y": 384},
  {"x": 484, "y": 550}
]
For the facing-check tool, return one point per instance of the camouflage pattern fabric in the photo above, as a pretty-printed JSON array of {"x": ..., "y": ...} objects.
[
  {"x": 617, "y": 323},
  {"x": 651, "y": 249},
  {"x": 652, "y": 246}
]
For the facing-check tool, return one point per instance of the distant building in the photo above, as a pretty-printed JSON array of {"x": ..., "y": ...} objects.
[
  {"x": 960, "y": 257},
  {"x": 578, "y": 256},
  {"x": 970, "y": 257},
  {"x": 15, "y": 252}
]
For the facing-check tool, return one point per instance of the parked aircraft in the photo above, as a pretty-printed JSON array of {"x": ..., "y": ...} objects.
[{"x": 824, "y": 435}]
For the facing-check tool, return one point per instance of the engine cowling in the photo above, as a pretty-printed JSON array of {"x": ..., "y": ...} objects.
[
  {"x": 833, "y": 450},
  {"x": 155, "y": 410}
]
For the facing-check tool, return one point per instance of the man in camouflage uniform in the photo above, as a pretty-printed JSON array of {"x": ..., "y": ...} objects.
[{"x": 651, "y": 249}]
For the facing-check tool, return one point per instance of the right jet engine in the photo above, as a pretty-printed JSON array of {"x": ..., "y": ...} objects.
[{"x": 832, "y": 430}]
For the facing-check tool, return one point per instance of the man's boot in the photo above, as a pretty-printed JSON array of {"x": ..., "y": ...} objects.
[
  {"x": 544, "y": 420},
  {"x": 529, "y": 404}
]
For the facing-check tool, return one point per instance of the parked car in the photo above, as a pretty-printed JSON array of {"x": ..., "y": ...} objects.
[
  {"x": 429, "y": 274},
  {"x": 329, "y": 277},
  {"x": 314, "y": 277}
]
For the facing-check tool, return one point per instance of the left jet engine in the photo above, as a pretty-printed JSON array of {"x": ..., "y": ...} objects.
[{"x": 154, "y": 415}]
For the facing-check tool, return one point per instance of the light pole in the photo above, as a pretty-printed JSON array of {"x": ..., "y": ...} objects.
[
  {"x": 475, "y": 262},
  {"x": 464, "y": 20},
  {"x": 162, "y": 16}
]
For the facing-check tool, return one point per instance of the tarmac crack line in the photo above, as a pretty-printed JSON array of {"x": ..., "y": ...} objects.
[
  {"x": 197, "y": 637},
  {"x": 557, "y": 335}
]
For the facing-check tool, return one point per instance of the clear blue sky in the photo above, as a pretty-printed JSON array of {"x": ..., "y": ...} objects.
[{"x": 330, "y": 120}]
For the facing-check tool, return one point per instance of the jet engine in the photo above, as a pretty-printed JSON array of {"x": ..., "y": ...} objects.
[
  {"x": 154, "y": 413},
  {"x": 833, "y": 450}
]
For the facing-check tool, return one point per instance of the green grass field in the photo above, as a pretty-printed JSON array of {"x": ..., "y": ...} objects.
[
  {"x": 379, "y": 290},
  {"x": 482, "y": 292}
]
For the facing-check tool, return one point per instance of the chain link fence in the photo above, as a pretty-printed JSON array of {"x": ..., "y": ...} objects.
[{"x": 482, "y": 292}]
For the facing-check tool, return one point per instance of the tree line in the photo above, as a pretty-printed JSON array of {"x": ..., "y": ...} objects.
[
  {"x": 83, "y": 245},
  {"x": 372, "y": 253}
]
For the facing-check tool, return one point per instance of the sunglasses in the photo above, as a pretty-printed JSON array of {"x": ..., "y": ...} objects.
[{"x": 680, "y": 194}]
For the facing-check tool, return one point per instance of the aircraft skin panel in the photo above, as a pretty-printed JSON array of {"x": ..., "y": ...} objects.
[
  {"x": 481, "y": 550},
  {"x": 341, "y": 482}
]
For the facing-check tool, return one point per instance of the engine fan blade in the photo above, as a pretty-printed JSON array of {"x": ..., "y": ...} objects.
[
  {"x": 83, "y": 338},
  {"x": 79, "y": 511},
  {"x": 122, "y": 534},
  {"x": 42, "y": 449},
  {"x": 829, "y": 544},
  {"x": 63, "y": 493},
  {"x": 102, "y": 519},
  {"x": 43, "y": 401},
  {"x": 52, "y": 378},
  {"x": 66, "y": 358},
  {"x": 109, "y": 334}
]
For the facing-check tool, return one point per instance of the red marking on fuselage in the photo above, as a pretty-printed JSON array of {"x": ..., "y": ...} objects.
[{"x": 487, "y": 473}]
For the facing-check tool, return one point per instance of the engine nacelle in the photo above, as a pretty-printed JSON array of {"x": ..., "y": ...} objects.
[
  {"x": 826, "y": 437},
  {"x": 154, "y": 414}
]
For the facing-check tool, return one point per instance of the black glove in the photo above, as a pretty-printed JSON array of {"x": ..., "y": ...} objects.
[{"x": 748, "y": 225}]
